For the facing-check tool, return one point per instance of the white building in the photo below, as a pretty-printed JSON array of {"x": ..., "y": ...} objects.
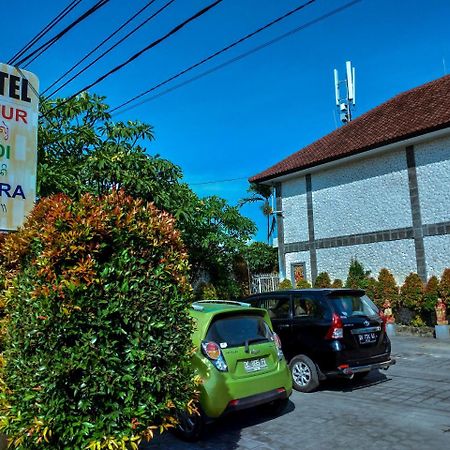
[{"x": 377, "y": 189}]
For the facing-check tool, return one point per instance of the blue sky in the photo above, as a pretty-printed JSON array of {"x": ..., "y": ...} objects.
[{"x": 249, "y": 115}]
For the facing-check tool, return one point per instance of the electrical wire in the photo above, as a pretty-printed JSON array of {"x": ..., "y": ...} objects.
[
  {"x": 222, "y": 65},
  {"x": 96, "y": 48},
  {"x": 218, "y": 181},
  {"x": 145, "y": 49},
  {"x": 219, "y": 52},
  {"x": 45, "y": 30},
  {"x": 44, "y": 47},
  {"x": 160, "y": 10}
]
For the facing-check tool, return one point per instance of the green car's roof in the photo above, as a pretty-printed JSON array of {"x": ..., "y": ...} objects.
[{"x": 204, "y": 311}]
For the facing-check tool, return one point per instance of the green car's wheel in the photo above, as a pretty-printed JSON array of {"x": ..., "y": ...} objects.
[{"x": 190, "y": 427}]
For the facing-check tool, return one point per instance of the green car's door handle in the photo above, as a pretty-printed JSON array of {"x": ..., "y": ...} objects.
[{"x": 283, "y": 325}]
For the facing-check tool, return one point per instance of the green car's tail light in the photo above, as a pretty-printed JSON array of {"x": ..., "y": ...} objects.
[
  {"x": 212, "y": 351},
  {"x": 277, "y": 341}
]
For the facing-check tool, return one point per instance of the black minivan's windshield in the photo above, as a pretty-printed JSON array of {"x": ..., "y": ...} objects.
[
  {"x": 353, "y": 305},
  {"x": 236, "y": 331}
]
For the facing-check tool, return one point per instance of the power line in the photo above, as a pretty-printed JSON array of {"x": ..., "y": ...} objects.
[
  {"x": 145, "y": 49},
  {"x": 218, "y": 181},
  {"x": 226, "y": 63},
  {"x": 44, "y": 47},
  {"x": 219, "y": 52},
  {"x": 102, "y": 43},
  {"x": 45, "y": 30}
]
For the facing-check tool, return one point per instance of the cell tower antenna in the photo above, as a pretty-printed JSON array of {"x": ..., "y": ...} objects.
[{"x": 347, "y": 103}]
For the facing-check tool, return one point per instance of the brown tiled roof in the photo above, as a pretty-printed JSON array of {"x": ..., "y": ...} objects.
[{"x": 421, "y": 110}]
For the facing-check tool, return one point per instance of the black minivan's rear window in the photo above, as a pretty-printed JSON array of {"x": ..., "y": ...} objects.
[
  {"x": 353, "y": 305},
  {"x": 235, "y": 331}
]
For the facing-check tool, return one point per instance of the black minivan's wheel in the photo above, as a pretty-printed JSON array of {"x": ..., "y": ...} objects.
[
  {"x": 304, "y": 374},
  {"x": 190, "y": 427}
]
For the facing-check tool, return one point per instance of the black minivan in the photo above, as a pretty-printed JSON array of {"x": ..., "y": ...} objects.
[{"x": 327, "y": 333}]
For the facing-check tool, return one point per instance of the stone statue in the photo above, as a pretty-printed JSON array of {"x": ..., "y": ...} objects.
[
  {"x": 441, "y": 312},
  {"x": 387, "y": 311}
]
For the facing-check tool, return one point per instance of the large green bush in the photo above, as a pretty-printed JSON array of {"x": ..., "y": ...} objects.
[
  {"x": 357, "y": 277},
  {"x": 411, "y": 293},
  {"x": 444, "y": 286},
  {"x": 387, "y": 288},
  {"x": 431, "y": 294},
  {"x": 322, "y": 280},
  {"x": 98, "y": 336}
]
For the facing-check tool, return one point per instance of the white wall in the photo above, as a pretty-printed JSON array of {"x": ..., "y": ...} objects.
[
  {"x": 437, "y": 254},
  {"x": 295, "y": 216},
  {"x": 397, "y": 256},
  {"x": 433, "y": 178},
  {"x": 371, "y": 194}
]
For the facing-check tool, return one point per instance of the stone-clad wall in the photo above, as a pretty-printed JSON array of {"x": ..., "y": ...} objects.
[
  {"x": 367, "y": 195},
  {"x": 363, "y": 209},
  {"x": 433, "y": 179},
  {"x": 294, "y": 210}
]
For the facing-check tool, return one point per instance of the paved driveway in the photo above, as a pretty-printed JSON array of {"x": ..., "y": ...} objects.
[{"x": 407, "y": 407}]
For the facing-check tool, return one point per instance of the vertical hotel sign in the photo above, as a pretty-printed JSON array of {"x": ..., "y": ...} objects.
[{"x": 18, "y": 145}]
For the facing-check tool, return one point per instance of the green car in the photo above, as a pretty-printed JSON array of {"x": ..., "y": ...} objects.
[{"x": 240, "y": 362}]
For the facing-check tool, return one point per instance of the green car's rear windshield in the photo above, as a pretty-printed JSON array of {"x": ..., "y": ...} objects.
[{"x": 236, "y": 331}]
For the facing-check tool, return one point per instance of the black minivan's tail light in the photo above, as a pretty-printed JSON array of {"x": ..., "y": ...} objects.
[{"x": 336, "y": 330}]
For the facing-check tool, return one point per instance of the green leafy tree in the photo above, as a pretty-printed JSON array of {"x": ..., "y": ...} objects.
[
  {"x": 431, "y": 294},
  {"x": 285, "y": 284},
  {"x": 357, "y": 277},
  {"x": 261, "y": 257},
  {"x": 444, "y": 286},
  {"x": 337, "y": 284},
  {"x": 372, "y": 289},
  {"x": 81, "y": 150},
  {"x": 261, "y": 193},
  {"x": 98, "y": 342},
  {"x": 387, "y": 289},
  {"x": 323, "y": 280},
  {"x": 411, "y": 293}
]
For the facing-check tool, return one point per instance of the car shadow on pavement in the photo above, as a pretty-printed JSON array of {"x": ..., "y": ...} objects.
[
  {"x": 345, "y": 385},
  {"x": 222, "y": 434}
]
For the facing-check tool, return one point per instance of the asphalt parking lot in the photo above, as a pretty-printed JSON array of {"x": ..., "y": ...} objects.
[{"x": 406, "y": 407}]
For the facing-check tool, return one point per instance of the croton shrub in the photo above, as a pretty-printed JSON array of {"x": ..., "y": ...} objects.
[{"x": 98, "y": 333}]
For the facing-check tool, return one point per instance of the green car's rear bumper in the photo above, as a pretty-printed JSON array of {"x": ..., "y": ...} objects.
[{"x": 221, "y": 392}]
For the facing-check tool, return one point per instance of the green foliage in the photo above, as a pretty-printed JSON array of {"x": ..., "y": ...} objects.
[
  {"x": 431, "y": 294},
  {"x": 323, "y": 280},
  {"x": 261, "y": 193},
  {"x": 98, "y": 340},
  {"x": 303, "y": 284},
  {"x": 444, "y": 286},
  {"x": 285, "y": 284},
  {"x": 418, "y": 322},
  {"x": 411, "y": 293},
  {"x": 337, "y": 283},
  {"x": 261, "y": 257},
  {"x": 357, "y": 277},
  {"x": 387, "y": 289},
  {"x": 81, "y": 150},
  {"x": 372, "y": 289},
  {"x": 206, "y": 291},
  {"x": 229, "y": 289}
]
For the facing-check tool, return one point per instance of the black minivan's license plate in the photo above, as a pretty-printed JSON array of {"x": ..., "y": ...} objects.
[
  {"x": 255, "y": 364},
  {"x": 367, "y": 338}
]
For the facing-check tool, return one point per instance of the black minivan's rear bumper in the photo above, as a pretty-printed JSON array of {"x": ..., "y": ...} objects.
[{"x": 348, "y": 371}]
